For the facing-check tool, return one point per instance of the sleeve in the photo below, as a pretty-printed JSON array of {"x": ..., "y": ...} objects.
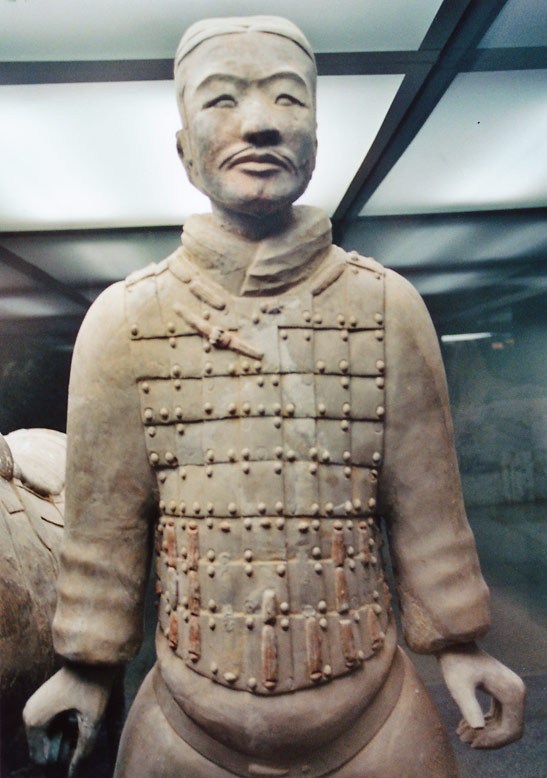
[
  {"x": 110, "y": 497},
  {"x": 444, "y": 599}
]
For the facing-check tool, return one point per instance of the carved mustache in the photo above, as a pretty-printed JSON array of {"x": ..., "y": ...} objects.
[{"x": 252, "y": 154}]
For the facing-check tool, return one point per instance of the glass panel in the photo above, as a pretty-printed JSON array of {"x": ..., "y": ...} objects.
[
  {"x": 482, "y": 147},
  {"x": 520, "y": 23}
]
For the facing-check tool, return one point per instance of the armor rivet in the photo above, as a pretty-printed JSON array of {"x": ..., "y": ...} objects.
[
  {"x": 356, "y": 616},
  {"x": 322, "y": 408},
  {"x": 184, "y": 567},
  {"x": 210, "y": 455},
  {"x": 279, "y": 507},
  {"x": 176, "y": 372},
  {"x": 246, "y": 453},
  {"x": 183, "y": 507},
  {"x": 316, "y": 524},
  {"x": 380, "y": 382},
  {"x": 180, "y": 429},
  {"x": 284, "y": 624},
  {"x": 357, "y": 504},
  {"x": 351, "y": 564},
  {"x": 318, "y": 567},
  {"x": 209, "y": 471},
  {"x": 284, "y": 607},
  {"x": 326, "y": 456},
  {"x": 353, "y": 321},
  {"x": 264, "y": 307},
  {"x": 211, "y": 571},
  {"x": 256, "y": 318},
  {"x": 206, "y": 314},
  {"x": 377, "y": 608},
  {"x": 344, "y": 334},
  {"x": 276, "y": 408},
  {"x": 232, "y": 508},
  {"x": 248, "y": 555},
  {"x": 231, "y": 455},
  {"x": 178, "y": 412},
  {"x": 266, "y": 523},
  {"x": 246, "y": 468},
  {"x": 361, "y": 655},
  {"x": 373, "y": 559},
  {"x": 210, "y": 509},
  {"x": 303, "y": 526},
  {"x": 380, "y": 410},
  {"x": 371, "y": 542},
  {"x": 134, "y": 330},
  {"x": 208, "y": 408},
  {"x": 182, "y": 473},
  {"x": 262, "y": 507},
  {"x": 350, "y": 551},
  {"x": 258, "y": 366},
  {"x": 252, "y": 683},
  {"x": 379, "y": 334},
  {"x": 344, "y": 382},
  {"x": 321, "y": 366},
  {"x": 193, "y": 525},
  {"x": 212, "y": 624},
  {"x": 211, "y": 556},
  {"x": 275, "y": 380},
  {"x": 323, "y": 623},
  {"x": 172, "y": 506},
  {"x": 316, "y": 552},
  {"x": 208, "y": 367},
  {"x": 277, "y": 422},
  {"x": 281, "y": 570},
  {"x": 346, "y": 409},
  {"x": 291, "y": 456},
  {"x": 344, "y": 425},
  {"x": 337, "y": 524},
  {"x": 154, "y": 458},
  {"x": 260, "y": 380},
  {"x": 314, "y": 509},
  {"x": 313, "y": 468},
  {"x": 214, "y": 668},
  {"x": 370, "y": 522},
  {"x": 184, "y": 552},
  {"x": 290, "y": 409},
  {"x": 327, "y": 671},
  {"x": 380, "y": 365},
  {"x": 248, "y": 570},
  {"x": 344, "y": 365},
  {"x": 171, "y": 327},
  {"x": 225, "y": 526},
  {"x": 346, "y": 456},
  {"x": 283, "y": 334},
  {"x": 196, "y": 507},
  {"x": 313, "y": 453},
  {"x": 148, "y": 414},
  {"x": 341, "y": 319},
  {"x": 177, "y": 384},
  {"x": 376, "y": 594},
  {"x": 247, "y": 523},
  {"x": 378, "y": 318},
  {"x": 230, "y": 677},
  {"x": 318, "y": 319},
  {"x": 278, "y": 468},
  {"x": 376, "y": 457},
  {"x": 162, "y": 477},
  {"x": 306, "y": 315},
  {"x": 232, "y": 368},
  {"x": 261, "y": 409},
  {"x": 249, "y": 622},
  {"x": 207, "y": 347},
  {"x": 162, "y": 505},
  {"x": 307, "y": 336},
  {"x": 322, "y": 606},
  {"x": 280, "y": 523},
  {"x": 245, "y": 365},
  {"x": 152, "y": 431},
  {"x": 246, "y": 408}
]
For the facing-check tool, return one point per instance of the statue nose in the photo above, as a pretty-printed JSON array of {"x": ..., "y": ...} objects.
[{"x": 259, "y": 126}]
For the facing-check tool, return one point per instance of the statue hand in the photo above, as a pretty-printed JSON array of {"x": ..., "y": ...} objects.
[
  {"x": 466, "y": 668},
  {"x": 81, "y": 690}
]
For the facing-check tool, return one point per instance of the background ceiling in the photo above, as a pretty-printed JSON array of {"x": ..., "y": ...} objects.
[{"x": 432, "y": 127}]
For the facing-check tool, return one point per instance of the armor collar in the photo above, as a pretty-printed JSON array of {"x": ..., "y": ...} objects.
[{"x": 269, "y": 266}]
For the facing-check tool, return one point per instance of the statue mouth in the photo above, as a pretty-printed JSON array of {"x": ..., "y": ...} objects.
[{"x": 259, "y": 162}]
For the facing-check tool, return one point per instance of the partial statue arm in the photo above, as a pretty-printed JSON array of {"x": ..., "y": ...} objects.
[
  {"x": 110, "y": 509},
  {"x": 444, "y": 600}
]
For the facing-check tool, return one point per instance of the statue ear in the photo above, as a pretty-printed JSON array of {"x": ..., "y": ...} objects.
[{"x": 183, "y": 148}]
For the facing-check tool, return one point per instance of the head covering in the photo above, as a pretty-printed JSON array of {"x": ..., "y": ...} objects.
[{"x": 210, "y": 28}]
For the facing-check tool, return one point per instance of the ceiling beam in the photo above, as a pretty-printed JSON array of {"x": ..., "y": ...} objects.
[
  {"x": 458, "y": 27},
  {"x": 45, "y": 280}
]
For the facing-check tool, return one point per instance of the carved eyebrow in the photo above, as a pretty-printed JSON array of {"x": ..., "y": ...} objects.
[
  {"x": 236, "y": 81},
  {"x": 223, "y": 78},
  {"x": 284, "y": 75}
]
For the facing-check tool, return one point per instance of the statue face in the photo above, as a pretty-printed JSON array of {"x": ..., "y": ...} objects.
[{"x": 248, "y": 107}]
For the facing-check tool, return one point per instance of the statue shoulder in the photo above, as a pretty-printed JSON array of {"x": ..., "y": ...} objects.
[{"x": 365, "y": 263}]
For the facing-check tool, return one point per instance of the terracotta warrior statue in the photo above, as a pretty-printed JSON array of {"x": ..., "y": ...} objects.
[{"x": 248, "y": 410}]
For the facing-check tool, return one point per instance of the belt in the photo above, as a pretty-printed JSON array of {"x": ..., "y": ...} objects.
[{"x": 314, "y": 763}]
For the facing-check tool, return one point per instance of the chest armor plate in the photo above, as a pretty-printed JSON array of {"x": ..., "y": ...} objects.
[{"x": 263, "y": 419}]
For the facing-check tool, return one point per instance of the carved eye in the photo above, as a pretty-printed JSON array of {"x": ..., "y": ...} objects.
[
  {"x": 222, "y": 101},
  {"x": 286, "y": 99}
]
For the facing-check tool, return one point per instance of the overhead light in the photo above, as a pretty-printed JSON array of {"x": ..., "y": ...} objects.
[{"x": 465, "y": 336}]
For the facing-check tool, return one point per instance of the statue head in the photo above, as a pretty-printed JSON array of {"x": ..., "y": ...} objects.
[{"x": 246, "y": 95}]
